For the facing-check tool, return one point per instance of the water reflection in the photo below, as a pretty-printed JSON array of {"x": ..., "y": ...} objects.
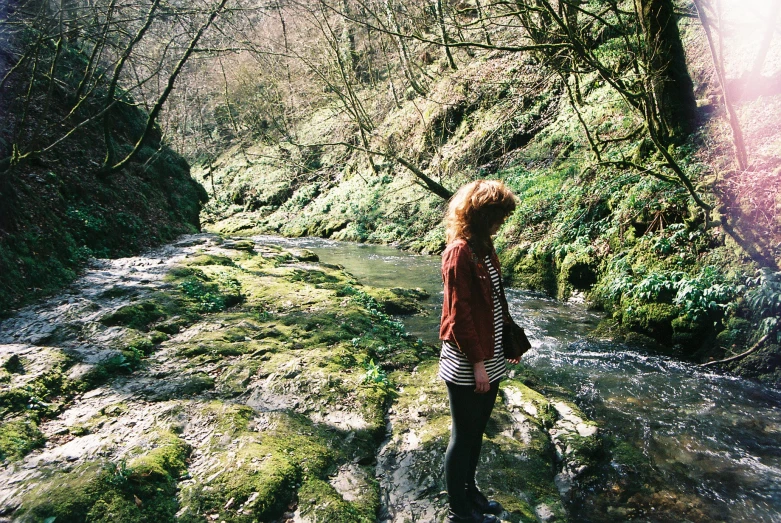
[{"x": 710, "y": 436}]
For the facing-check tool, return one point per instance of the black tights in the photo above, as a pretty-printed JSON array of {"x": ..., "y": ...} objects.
[{"x": 469, "y": 412}]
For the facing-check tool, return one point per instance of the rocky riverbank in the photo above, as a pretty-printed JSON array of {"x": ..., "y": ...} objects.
[{"x": 223, "y": 380}]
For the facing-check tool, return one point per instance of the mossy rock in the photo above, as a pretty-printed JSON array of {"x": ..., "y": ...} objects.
[
  {"x": 181, "y": 387},
  {"x": 652, "y": 319},
  {"x": 173, "y": 325},
  {"x": 578, "y": 271},
  {"x": 316, "y": 277},
  {"x": 262, "y": 472},
  {"x": 165, "y": 462},
  {"x": 135, "y": 492},
  {"x": 209, "y": 259},
  {"x": 304, "y": 255},
  {"x": 239, "y": 245},
  {"x": 736, "y": 334},
  {"x": 138, "y": 316},
  {"x": 534, "y": 404},
  {"x": 535, "y": 271},
  {"x": 45, "y": 394},
  {"x": 764, "y": 365},
  {"x": 319, "y": 500},
  {"x": 398, "y": 301}
]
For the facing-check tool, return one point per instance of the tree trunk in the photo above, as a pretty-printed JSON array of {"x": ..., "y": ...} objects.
[
  {"x": 670, "y": 84},
  {"x": 741, "y": 155},
  {"x": 347, "y": 44},
  {"x": 764, "y": 47},
  {"x": 443, "y": 33}
]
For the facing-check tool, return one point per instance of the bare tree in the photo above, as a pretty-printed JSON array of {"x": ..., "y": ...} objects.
[
  {"x": 153, "y": 114},
  {"x": 129, "y": 52},
  {"x": 707, "y": 10}
]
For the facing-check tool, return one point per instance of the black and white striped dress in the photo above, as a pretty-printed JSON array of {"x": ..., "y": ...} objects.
[{"x": 454, "y": 367}]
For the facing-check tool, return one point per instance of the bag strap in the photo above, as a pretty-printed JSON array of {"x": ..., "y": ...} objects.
[{"x": 503, "y": 297}]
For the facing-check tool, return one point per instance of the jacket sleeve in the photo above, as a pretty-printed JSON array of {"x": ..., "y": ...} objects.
[{"x": 457, "y": 273}]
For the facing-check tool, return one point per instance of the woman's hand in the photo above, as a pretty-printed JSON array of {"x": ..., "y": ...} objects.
[
  {"x": 481, "y": 378},
  {"x": 514, "y": 361}
]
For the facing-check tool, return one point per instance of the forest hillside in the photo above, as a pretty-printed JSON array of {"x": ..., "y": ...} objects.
[
  {"x": 663, "y": 212},
  {"x": 59, "y": 204}
]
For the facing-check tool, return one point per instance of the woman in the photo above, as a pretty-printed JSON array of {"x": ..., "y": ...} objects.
[{"x": 472, "y": 361}]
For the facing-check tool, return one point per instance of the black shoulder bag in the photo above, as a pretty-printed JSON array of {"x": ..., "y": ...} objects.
[{"x": 514, "y": 341}]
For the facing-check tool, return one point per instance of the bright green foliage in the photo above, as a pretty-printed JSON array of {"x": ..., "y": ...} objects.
[
  {"x": 375, "y": 374},
  {"x": 764, "y": 299}
]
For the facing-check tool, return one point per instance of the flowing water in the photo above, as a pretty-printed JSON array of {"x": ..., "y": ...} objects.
[{"x": 712, "y": 438}]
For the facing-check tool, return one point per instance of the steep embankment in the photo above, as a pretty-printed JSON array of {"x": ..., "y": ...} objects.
[
  {"x": 57, "y": 208},
  {"x": 670, "y": 276}
]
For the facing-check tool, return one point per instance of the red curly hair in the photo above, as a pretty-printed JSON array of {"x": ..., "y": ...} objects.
[{"x": 475, "y": 208}]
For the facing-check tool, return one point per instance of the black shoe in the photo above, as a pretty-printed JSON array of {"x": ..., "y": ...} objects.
[
  {"x": 483, "y": 504},
  {"x": 473, "y": 517}
]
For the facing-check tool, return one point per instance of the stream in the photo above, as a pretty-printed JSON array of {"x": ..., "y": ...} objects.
[{"x": 713, "y": 438}]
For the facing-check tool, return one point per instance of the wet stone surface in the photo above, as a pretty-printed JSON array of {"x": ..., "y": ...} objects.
[{"x": 228, "y": 380}]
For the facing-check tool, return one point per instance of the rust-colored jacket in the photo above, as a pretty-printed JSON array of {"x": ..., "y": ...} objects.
[{"x": 468, "y": 311}]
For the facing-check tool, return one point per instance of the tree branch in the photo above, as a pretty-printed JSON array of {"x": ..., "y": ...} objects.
[{"x": 742, "y": 355}]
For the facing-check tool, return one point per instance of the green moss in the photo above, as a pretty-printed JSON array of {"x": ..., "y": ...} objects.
[
  {"x": 18, "y": 437},
  {"x": 577, "y": 272},
  {"x": 265, "y": 469},
  {"x": 239, "y": 245},
  {"x": 213, "y": 348},
  {"x": 628, "y": 456},
  {"x": 44, "y": 395},
  {"x": 398, "y": 301},
  {"x": 138, "y": 316},
  {"x": 164, "y": 462},
  {"x": 320, "y": 501},
  {"x": 535, "y": 271},
  {"x": 535, "y": 404},
  {"x": 736, "y": 334},
  {"x": 234, "y": 379},
  {"x": 521, "y": 473},
  {"x": 305, "y": 255},
  {"x": 421, "y": 392},
  {"x": 652, "y": 319},
  {"x": 141, "y": 491},
  {"x": 143, "y": 345},
  {"x": 764, "y": 365},
  {"x": 209, "y": 259},
  {"x": 315, "y": 277}
]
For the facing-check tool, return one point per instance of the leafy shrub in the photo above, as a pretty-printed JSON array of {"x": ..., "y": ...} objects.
[
  {"x": 706, "y": 294},
  {"x": 764, "y": 300},
  {"x": 658, "y": 287}
]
